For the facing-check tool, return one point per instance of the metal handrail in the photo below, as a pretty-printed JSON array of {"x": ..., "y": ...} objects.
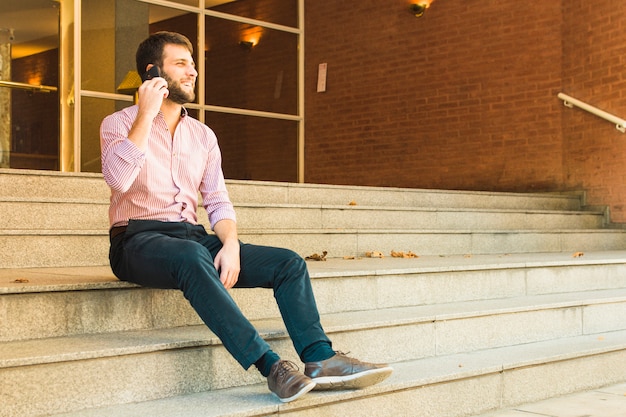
[
  {"x": 620, "y": 124},
  {"x": 30, "y": 87}
]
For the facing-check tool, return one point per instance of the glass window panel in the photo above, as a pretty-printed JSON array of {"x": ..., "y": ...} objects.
[
  {"x": 114, "y": 29},
  {"x": 282, "y": 12},
  {"x": 193, "y": 113},
  {"x": 29, "y": 56},
  {"x": 111, "y": 30},
  {"x": 175, "y": 21},
  {"x": 34, "y": 130},
  {"x": 251, "y": 67},
  {"x": 94, "y": 110},
  {"x": 255, "y": 147}
]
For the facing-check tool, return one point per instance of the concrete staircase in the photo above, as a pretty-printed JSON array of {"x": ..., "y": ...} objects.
[{"x": 513, "y": 298}]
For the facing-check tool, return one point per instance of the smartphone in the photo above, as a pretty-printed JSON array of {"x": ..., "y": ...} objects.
[{"x": 150, "y": 74}]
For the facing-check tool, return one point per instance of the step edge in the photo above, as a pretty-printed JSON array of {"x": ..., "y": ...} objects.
[
  {"x": 103, "y": 345},
  {"x": 103, "y": 278},
  {"x": 406, "y": 376}
]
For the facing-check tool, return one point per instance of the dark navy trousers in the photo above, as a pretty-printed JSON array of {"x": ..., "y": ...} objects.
[{"x": 179, "y": 255}]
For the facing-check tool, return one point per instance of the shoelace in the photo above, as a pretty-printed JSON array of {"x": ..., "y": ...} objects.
[
  {"x": 284, "y": 367},
  {"x": 345, "y": 354},
  {"x": 352, "y": 361}
]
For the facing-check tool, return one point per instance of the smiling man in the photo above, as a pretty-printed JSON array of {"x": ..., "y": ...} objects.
[{"x": 156, "y": 158}]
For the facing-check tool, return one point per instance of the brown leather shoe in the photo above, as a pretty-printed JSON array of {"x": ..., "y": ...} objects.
[
  {"x": 343, "y": 372},
  {"x": 287, "y": 382}
]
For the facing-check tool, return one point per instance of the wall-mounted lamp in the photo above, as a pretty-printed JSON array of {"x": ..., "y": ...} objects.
[
  {"x": 420, "y": 7},
  {"x": 250, "y": 37},
  {"x": 247, "y": 45}
]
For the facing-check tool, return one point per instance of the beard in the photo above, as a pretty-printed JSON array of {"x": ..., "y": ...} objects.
[{"x": 177, "y": 94}]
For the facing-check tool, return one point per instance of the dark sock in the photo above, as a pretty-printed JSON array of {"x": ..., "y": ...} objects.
[
  {"x": 264, "y": 365},
  {"x": 318, "y": 351}
]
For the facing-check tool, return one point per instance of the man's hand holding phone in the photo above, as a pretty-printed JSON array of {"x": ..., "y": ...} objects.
[
  {"x": 150, "y": 97},
  {"x": 152, "y": 91}
]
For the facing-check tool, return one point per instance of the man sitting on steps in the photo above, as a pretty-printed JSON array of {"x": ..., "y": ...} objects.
[{"x": 156, "y": 158}]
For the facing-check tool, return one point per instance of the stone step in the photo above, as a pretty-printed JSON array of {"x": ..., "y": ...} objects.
[
  {"x": 475, "y": 323},
  {"x": 53, "y": 214},
  {"x": 55, "y": 302},
  {"x": 341, "y": 195},
  {"x": 277, "y": 217},
  {"x": 24, "y": 184},
  {"x": 84, "y": 215},
  {"x": 53, "y": 248},
  {"x": 59, "y": 248},
  {"x": 104, "y": 369},
  {"x": 342, "y": 243},
  {"x": 457, "y": 385},
  {"x": 93, "y": 341}
]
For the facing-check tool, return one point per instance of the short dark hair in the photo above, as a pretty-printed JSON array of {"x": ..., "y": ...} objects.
[{"x": 150, "y": 51}]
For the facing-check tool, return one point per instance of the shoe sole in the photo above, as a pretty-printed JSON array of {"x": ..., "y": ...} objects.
[
  {"x": 297, "y": 395},
  {"x": 354, "y": 381}
]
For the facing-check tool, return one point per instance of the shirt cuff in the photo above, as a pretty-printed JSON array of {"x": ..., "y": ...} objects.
[{"x": 222, "y": 214}]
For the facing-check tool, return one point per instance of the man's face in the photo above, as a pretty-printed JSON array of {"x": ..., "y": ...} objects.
[{"x": 179, "y": 71}]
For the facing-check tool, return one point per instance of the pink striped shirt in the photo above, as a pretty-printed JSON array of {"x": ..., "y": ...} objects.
[{"x": 163, "y": 183}]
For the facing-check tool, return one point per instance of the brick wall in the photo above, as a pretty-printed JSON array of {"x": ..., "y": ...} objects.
[
  {"x": 465, "y": 97},
  {"x": 461, "y": 98},
  {"x": 594, "y": 59}
]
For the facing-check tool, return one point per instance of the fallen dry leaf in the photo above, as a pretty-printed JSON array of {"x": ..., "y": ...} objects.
[
  {"x": 401, "y": 254},
  {"x": 352, "y": 203},
  {"x": 317, "y": 257},
  {"x": 374, "y": 254},
  {"x": 467, "y": 256},
  {"x": 578, "y": 254},
  {"x": 21, "y": 281},
  {"x": 349, "y": 257}
]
